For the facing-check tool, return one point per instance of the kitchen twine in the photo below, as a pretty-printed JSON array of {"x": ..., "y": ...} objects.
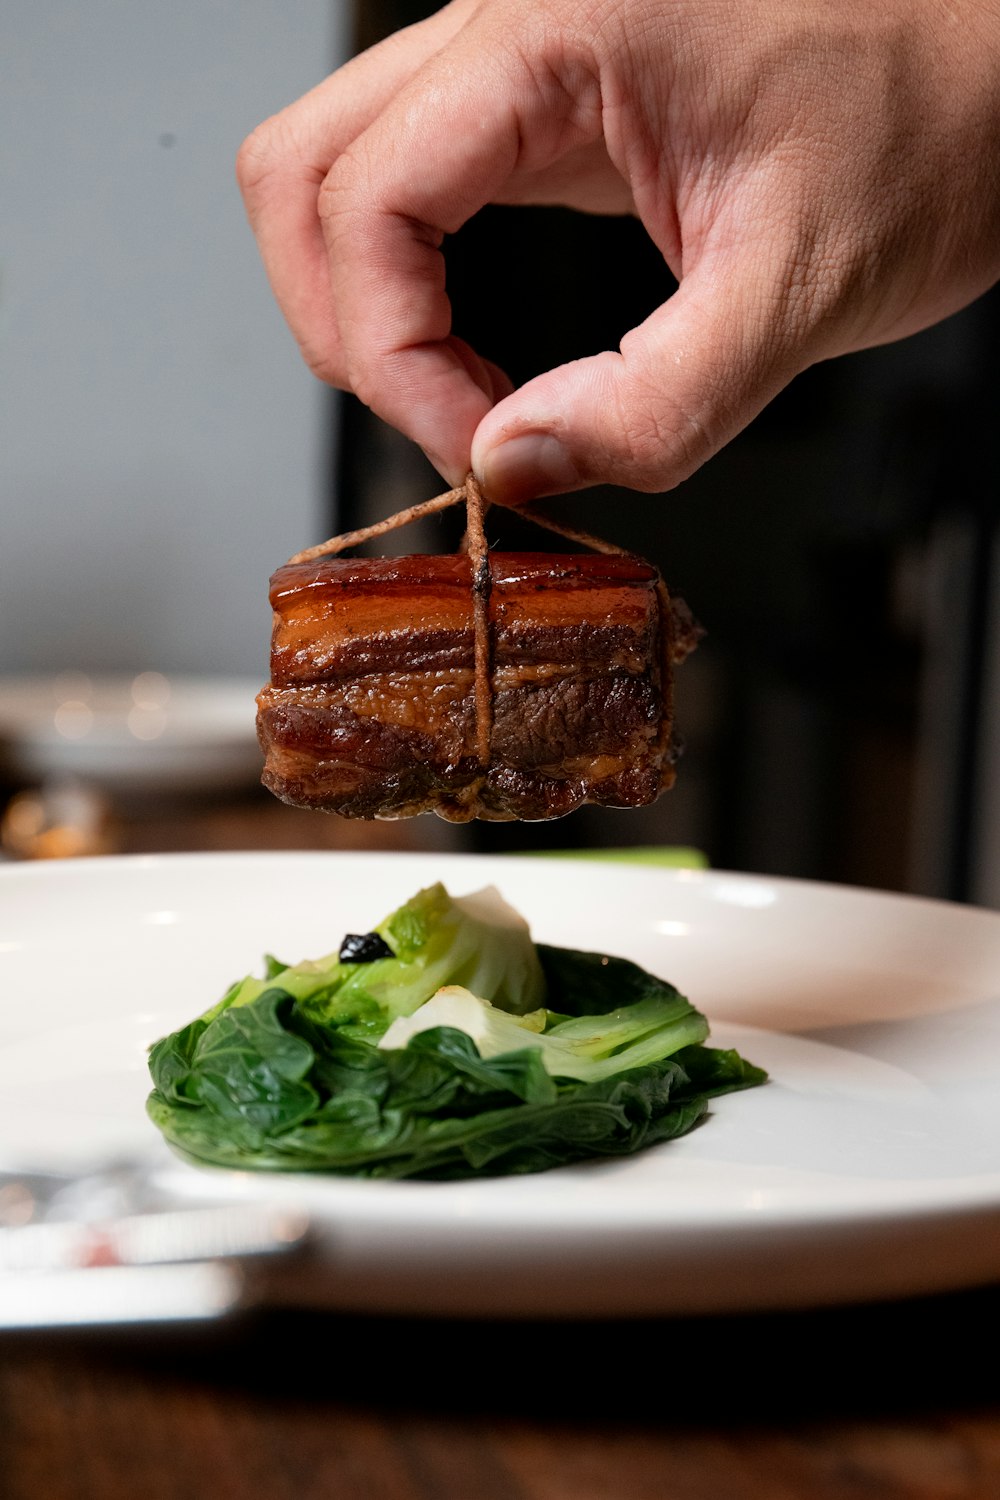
[{"x": 475, "y": 544}]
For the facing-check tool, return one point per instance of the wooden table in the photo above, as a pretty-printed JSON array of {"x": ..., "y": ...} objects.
[
  {"x": 893, "y": 1402},
  {"x": 900, "y": 1402}
]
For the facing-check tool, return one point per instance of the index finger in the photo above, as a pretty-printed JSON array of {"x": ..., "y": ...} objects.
[
  {"x": 474, "y": 115},
  {"x": 282, "y": 164}
]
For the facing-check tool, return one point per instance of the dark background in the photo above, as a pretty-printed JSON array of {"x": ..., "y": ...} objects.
[{"x": 837, "y": 554}]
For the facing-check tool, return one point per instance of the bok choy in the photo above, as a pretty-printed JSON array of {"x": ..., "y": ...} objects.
[{"x": 459, "y": 1048}]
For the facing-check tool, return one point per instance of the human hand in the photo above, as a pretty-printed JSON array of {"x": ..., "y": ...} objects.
[{"x": 819, "y": 178}]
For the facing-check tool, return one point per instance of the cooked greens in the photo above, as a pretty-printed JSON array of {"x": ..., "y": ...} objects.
[
  {"x": 434, "y": 939},
  {"x": 467, "y": 1051}
]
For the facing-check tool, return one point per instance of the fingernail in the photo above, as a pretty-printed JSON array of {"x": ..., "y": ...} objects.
[{"x": 532, "y": 464}]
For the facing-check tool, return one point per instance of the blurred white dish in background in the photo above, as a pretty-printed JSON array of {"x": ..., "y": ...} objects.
[{"x": 131, "y": 732}]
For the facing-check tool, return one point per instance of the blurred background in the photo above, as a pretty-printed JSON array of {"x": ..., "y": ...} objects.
[{"x": 164, "y": 449}]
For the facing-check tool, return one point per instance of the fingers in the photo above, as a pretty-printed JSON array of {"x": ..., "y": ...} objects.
[
  {"x": 447, "y": 144},
  {"x": 282, "y": 165},
  {"x": 781, "y": 157},
  {"x": 352, "y": 190}
]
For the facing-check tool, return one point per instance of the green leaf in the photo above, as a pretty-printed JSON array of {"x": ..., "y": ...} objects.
[
  {"x": 713, "y": 1070},
  {"x": 583, "y": 1047},
  {"x": 244, "y": 1067},
  {"x": 587, "y": 984}
]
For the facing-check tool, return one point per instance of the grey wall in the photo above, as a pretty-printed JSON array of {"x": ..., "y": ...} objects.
[{"x": 162, "y": 447}]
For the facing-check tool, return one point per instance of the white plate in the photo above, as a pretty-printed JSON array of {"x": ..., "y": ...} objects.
[
  {"x": 131, "y": 732},
  {"x": 868, "y": 1167}
]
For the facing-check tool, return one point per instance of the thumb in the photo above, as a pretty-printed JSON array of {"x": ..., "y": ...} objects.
[{"x": 684, "y": 383}]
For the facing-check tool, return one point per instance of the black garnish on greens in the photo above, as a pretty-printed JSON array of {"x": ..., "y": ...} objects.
[{"x": 363, "y": 948}]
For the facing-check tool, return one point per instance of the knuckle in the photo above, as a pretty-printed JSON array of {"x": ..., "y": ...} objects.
[
  {"x": 338, "y": 188},
  {"x": 325, "y": 368},
  {"x": 662, "y": 442},
  {"x": 255, "y": 158},
  {"x": 362, "y": 377}
]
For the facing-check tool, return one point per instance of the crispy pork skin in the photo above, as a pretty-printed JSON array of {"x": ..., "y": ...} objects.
[{"x": 370, "y": 710}]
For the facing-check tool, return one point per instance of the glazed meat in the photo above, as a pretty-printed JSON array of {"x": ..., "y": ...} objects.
[{"x": 371, "y": 710}]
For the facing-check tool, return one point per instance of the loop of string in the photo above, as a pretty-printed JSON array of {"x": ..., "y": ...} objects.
[
  {"x": 347, "y": 539},
  {"x": 474, "y": 543}
]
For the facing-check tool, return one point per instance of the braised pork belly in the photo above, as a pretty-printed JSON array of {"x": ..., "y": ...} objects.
[{"x": 371, "y": 710}]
